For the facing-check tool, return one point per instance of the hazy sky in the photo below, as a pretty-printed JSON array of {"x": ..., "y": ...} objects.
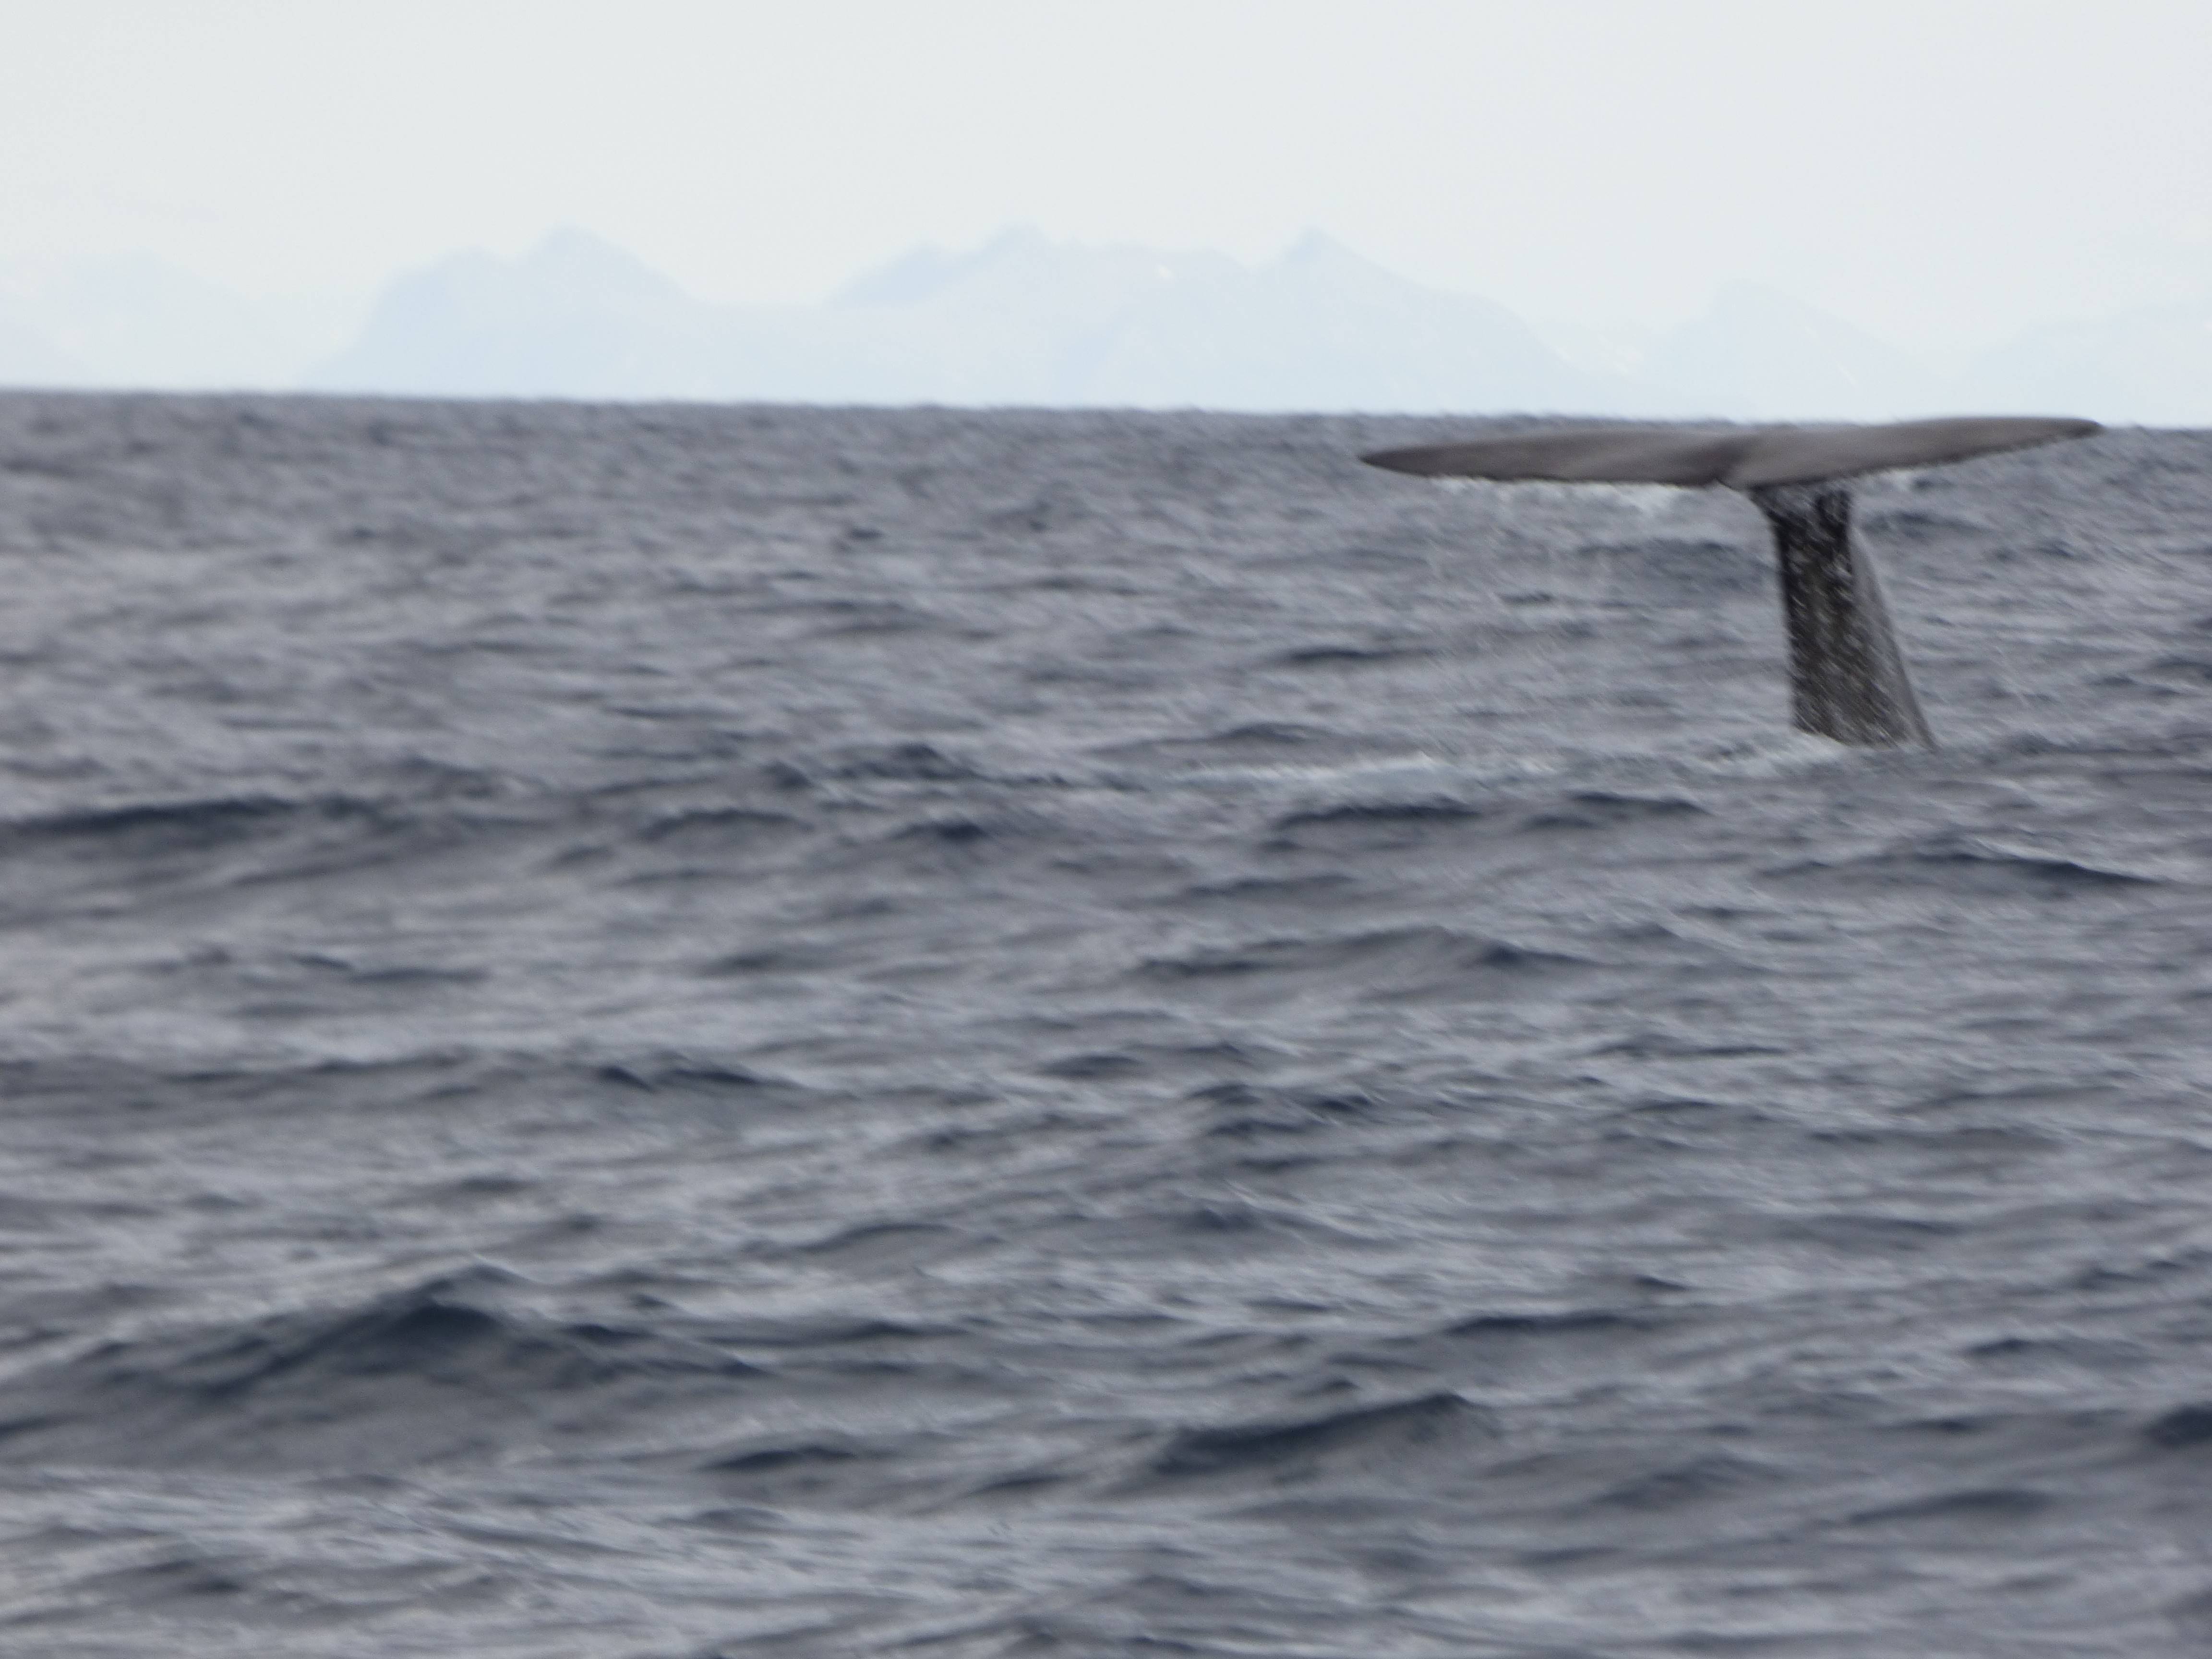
[{"x": 1930, "y": 169}]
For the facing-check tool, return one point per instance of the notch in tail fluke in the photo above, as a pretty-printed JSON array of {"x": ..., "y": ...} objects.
[{"x": 1847, "y": 674}]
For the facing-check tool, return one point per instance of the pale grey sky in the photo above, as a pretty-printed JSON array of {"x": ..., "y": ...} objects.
[{"x": 1936, "y": 170}]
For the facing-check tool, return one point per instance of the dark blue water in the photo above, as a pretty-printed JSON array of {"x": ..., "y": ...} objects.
[{"x": 686, "y": 1031}]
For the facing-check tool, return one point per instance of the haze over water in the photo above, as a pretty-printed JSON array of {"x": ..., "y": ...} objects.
[{"x": 1818, "y": 212}]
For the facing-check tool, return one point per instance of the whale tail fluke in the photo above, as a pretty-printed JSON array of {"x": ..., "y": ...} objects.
[
  {"x": 1847, "y": 675},
  {"x": 1740, "y": 457}
]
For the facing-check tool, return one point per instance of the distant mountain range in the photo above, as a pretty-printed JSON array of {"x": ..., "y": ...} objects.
[
  {"x": 1026, "y": 320},
  {"x": 1021, "y": 320}
]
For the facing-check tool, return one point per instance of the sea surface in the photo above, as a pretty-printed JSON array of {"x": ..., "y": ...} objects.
[{"x": 656, "y": 1032}]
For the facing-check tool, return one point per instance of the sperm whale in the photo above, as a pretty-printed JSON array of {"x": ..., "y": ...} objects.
[{"x": 1847, "y": 675}]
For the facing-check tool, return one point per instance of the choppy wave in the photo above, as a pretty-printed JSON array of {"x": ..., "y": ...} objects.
[{"x": 683, "y": 1032}]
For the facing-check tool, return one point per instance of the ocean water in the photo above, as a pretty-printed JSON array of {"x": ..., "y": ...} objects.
[{"x": 694, "y": 1031}]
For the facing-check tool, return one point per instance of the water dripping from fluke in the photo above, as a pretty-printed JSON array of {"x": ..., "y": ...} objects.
[{"x": 1847, "y": 676}]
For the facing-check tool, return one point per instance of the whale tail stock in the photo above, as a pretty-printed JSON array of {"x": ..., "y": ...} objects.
[{"x": 1847, "y": 674}]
